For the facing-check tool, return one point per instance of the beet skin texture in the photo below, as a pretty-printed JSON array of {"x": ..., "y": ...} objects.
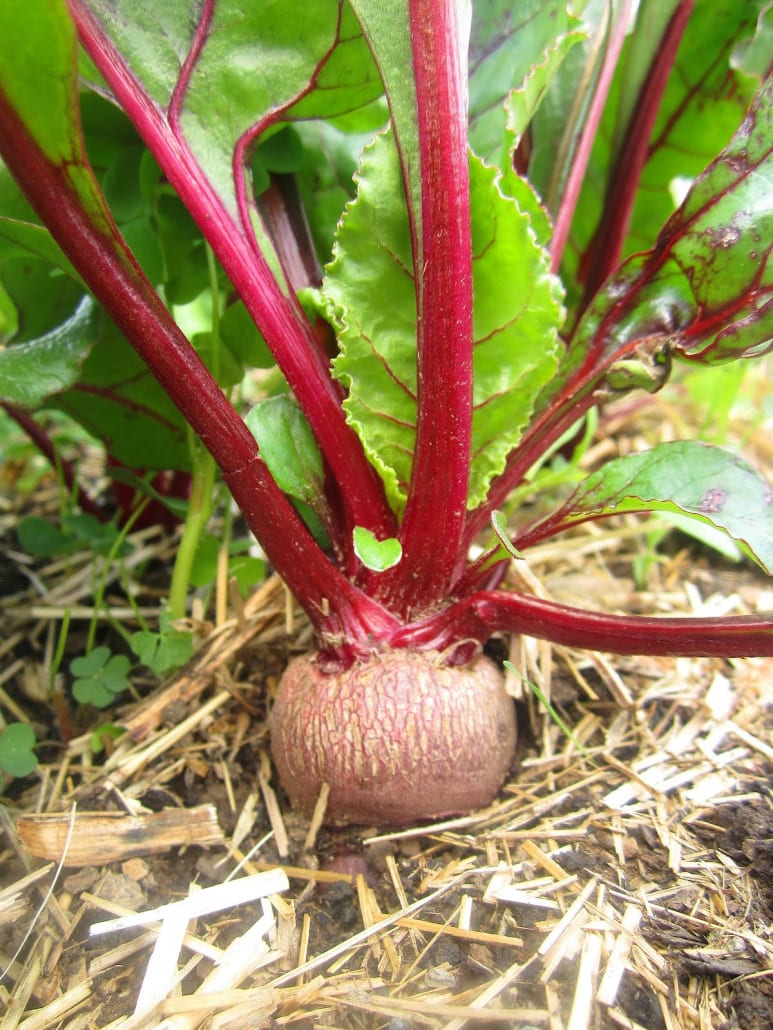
[{"x": 399, "y": 737}]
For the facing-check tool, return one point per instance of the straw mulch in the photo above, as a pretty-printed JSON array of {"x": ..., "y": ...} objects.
[{"x": 623, "y": 877}]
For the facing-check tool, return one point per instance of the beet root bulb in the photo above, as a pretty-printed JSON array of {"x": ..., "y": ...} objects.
[{"x": 399, "y": 737}]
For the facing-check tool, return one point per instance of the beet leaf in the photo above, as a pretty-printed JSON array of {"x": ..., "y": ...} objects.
[
  {"x": 686, "y": 63},
  {"x": 34, "y": 370},
  {"x": 686, "y": 477},
  {"x": 705, "y": 290},
  {"x": 201, "y": 121},
  {"x": 373, "y": 292},
  {"x": 515, "y": 51}
]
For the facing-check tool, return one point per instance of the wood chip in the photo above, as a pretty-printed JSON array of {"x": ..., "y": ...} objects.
[{"x": 99, "y": 838}]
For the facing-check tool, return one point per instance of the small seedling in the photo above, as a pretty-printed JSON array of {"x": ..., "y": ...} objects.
[
  {"x": 163, "y": 651},
  {"x": 100, "y": 677},
  {"x": 104, "y": 736},
  {"x": 548, "y": 706}
]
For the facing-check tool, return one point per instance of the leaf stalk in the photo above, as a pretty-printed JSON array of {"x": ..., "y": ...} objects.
[{"x": 435, "y": 509}]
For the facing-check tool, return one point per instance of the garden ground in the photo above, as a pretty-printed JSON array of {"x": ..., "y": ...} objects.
[{"x": 622, "y": 878}]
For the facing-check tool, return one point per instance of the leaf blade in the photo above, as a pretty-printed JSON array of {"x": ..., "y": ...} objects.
[
  {"x": 515, "y": 51},
  {"x": 695, "y": 479},
  {"x": 370, "y": 289},
  {"x": 705, "y": 290},
  {"x": 33, "y": 371}
]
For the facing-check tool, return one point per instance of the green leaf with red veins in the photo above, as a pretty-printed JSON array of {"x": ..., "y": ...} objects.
[
  {"x": 558, "y": 121},
  {"x": 515, "y": 50},
  {"x": 687, "y": 477},
  {"x": 256, "y": 61},
  {"x": 120, "y": 403},
  {"x": 684, "y": 137},
  {"x": 369, "y": 284},
  {"x": 517, "y": 311},
  {"x": 705, "y": 291},
  {"x": 202, "y": 82}
]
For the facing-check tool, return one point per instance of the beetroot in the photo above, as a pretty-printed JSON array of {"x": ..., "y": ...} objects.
[{"x": 399, "y": 736}]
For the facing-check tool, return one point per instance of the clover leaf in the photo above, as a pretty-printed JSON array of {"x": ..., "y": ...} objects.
[{"x": 100, "y": 677}]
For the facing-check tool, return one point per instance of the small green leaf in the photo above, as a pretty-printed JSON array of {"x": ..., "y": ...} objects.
[
  {"x": 376, "y": 555},
  {"x": 247, "y": 571},
  {"x": 288, "y": 448},
  {"x": 105, "y": 734},
  {"x": 80, "y": 531},
  {"x": 243, "y": 338},
  {"x": 100, "y": 676},
  {"x": 39, "y": 537},
  {"x": 204, "y": 568},
  {"x": 162, "y": 652},
  {"x": 688, "y": 477},
  {"x": 43, "y": 299},
  {"x": 91, "y": 691},
  {"x": 34, "y": 239},
  {"x": 91, "y": 663},
  {"x": 114, "y": 673},
  {"x": 17, "y": 757},
  {"x": 101, "y": 537},
  {"x": 218, "y": 359}
]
